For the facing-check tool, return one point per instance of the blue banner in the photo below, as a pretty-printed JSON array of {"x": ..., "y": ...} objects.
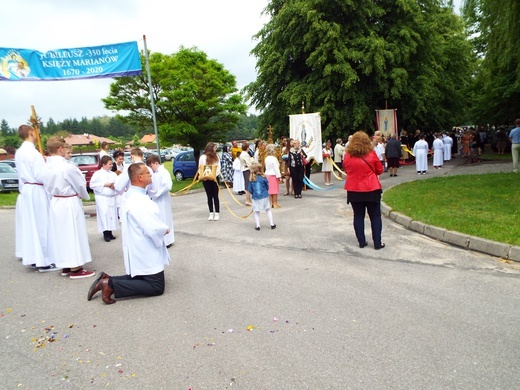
[{"x": 119, "y": 59}]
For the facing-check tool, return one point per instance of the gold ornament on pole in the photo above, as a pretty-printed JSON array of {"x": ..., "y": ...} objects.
[{"x": 36, "y": 126}]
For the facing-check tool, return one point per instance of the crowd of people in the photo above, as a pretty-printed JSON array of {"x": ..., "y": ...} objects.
[{"x": 51, "y": 231}]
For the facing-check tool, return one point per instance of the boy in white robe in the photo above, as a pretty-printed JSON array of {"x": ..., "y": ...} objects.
[
  {"x": 143, "y": 245},
  {"x": 420, "y": 150},
  {"x": 159, "y": 191},
  {"x": 123, "y": 180},
  {"x": 32, "y": 205},
  {"x": 102, "y": 183},
  {"x": 68, "y": 238},
  {"x": 438, "y": 152},
  {"x": 448, "y": 143}
]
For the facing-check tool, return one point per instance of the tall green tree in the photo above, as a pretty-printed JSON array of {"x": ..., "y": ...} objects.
[
  {"x": 345, "y": 59},
  {"x": 5, "y": 130},
  {"x": 196, "y": 98},
  {"x": 495, "y": 30}
]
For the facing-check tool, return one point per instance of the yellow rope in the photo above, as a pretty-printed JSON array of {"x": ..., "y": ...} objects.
[
  {"x": 236, "y": 200},
  {"x": 184, "y": 191},
  {"x": 331, "y": 161}
]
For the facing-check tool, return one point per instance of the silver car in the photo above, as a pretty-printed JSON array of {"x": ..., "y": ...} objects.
[{"x": 8, "y": 178}]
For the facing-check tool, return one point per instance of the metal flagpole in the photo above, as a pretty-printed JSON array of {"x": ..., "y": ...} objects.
[{"x": 151, "y": 97}]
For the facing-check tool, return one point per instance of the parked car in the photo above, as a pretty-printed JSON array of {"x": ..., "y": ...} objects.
[
  {"x": 128, "y": 158},
  {"x": 8, "y": 178},
  {"x": 167, "y": 155},
  {"x": 10, "y": 162},
  {"x": 88, "y": 163},
  {"x": 176, "y": 151},
  {"x": 184, "y": 165}
]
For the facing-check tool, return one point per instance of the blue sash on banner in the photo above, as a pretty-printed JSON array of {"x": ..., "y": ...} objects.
[{"x": 115, "y": 60}]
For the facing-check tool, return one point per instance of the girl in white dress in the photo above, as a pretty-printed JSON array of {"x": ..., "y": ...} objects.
[{"x": 326, "y": 168}]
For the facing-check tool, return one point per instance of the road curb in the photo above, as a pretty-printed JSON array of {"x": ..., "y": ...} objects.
[{"x": 466, "y": 241}]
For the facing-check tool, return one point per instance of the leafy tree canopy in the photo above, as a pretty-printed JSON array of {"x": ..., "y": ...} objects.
[
  {"x": 196, "y": 99},
  {"x": 495, "y": 33},
  {"x": 345, "y": 59}
]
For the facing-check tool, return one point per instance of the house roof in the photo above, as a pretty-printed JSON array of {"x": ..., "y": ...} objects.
[
  {"x": 148, "y": 138},
  {"x": 86, "y": 139}
]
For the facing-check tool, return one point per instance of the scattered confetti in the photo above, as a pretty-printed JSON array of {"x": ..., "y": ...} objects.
[
  {"x": 9, "y": 310},
  {"x": 230, "y": 330},
  {"x": 275, "y": 319},
  {"x": 250, "y": 328},
  {"x": 120, "y": 371}
]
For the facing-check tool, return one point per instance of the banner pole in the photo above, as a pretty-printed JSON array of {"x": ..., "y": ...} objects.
[{"x": 151, "y": 97}]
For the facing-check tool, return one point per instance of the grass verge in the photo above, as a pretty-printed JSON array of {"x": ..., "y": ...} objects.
[{"x": 486, "y": 206}]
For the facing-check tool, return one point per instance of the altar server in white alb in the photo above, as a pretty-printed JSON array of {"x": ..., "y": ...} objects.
[
  {"x": 68, "y": 239},
  {"x": 448, "y": 143},
  {"x": 144, "y": 251},
  {"x": 32, "y": 205},
  {"x": 102, "y": 183},
  {"x": 159, "y": 191},
  {"x": 438, "y": 152},
  {"x": 123, "y": 180},
  {"x": 420, "y": 150}
]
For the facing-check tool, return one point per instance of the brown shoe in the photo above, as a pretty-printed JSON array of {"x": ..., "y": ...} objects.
[
  {"x": 106, "y": 292},
  {"x": 96, "y": 286}
]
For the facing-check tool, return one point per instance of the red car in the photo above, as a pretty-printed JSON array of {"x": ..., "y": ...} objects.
[{"x": 88, "y": 163}]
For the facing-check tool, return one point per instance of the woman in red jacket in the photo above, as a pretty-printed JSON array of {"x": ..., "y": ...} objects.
[{"x": 363, "y": 168}]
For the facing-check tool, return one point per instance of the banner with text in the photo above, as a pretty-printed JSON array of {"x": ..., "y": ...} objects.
[
  {"x": 307, "y": 129},
  {"x": 386, "y": 121},
  {"x": 115, "y": 60}
]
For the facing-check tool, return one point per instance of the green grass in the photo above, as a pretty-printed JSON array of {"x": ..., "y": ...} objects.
[
  {"x": 486, "y": 206},
  {"x": 495, "y": 156},
  {"x": 8, "y": 198},
  {"x": 179, "y": 185}
]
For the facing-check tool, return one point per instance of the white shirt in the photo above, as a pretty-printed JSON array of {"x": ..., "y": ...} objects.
[
  {"x": 143, "y": 232},
  {"x": 202, "y": 161},
  {"x": 272, "y": 166}
]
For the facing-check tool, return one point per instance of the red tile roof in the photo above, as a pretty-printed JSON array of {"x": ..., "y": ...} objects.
[
  {"x": 86, "y": 139},
  {"x": 148, "y": 138}
]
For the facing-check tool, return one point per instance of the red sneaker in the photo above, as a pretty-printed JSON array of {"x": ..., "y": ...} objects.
[{"x": 81, "y": 274}]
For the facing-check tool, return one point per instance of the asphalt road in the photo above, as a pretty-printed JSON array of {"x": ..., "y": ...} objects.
[{"x": 298, "y": 307}]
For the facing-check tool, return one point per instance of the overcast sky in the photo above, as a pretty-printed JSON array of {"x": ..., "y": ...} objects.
[{"x": 223, "y": 29}]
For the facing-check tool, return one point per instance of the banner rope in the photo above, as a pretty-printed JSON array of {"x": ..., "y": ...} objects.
[
  {"x": 316, "y": 187},
  {"x": 237, "y": 201},
  {"x": 333, "y": 163}
]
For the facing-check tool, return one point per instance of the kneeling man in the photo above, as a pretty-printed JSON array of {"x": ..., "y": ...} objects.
[{"x": 144, "y": 251}]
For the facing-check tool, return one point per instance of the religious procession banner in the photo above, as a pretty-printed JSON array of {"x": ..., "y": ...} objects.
[
  {"x": 307, "y": 129},
  {"x": 386, "y": 122},
  {"x": 113, "y": 60}
]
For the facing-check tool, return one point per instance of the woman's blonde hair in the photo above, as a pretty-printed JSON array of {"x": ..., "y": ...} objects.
[
  {"x": 270, "y": 150},
  {"x": 255, "y": 170},
  {"x": 360, "y": 144}
]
